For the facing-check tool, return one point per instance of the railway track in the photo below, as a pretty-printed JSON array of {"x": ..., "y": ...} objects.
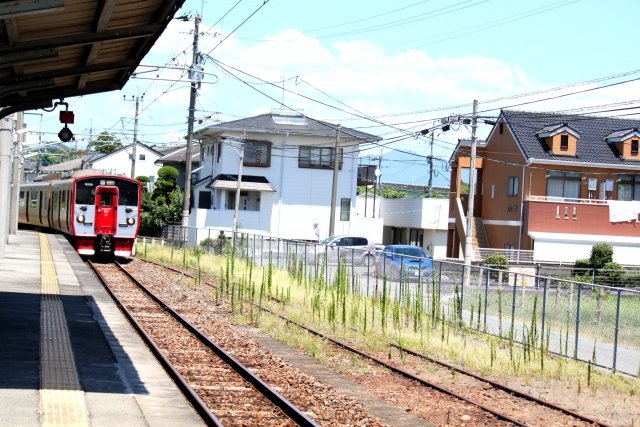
[
  {"x": 523, "y": 406},
  {"x": 223, "y": 391}
]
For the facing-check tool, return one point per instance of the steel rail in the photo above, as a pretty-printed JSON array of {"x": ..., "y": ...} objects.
[
  {"x": 381, "y": 362},
  {"x": 495, "y": 384},
  {"x": 288, "y": 408},
  {"x": 190, "y": 394},
  {"x": 502, "y": 387}
]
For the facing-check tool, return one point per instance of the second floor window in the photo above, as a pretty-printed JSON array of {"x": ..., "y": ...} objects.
[
  {"x": 564, "y": 142},
  {"x": 318, "y": 157},
  {"x": 629, "y": 187},
  {"x": 204, "y": 200},
  {"x": 513, "y": 186},
  {"x": 634, "y": 147},
  {"x": 563, "y": 184},
  {"x": 257, "y": 153},
  {"x": 345, "y": 209}
]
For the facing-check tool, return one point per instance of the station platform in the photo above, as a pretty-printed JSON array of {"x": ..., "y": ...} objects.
[{"x": 68, "y": 357}]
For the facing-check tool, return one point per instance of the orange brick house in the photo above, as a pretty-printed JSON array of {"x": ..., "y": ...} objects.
[{"x": 549, "y": 186}]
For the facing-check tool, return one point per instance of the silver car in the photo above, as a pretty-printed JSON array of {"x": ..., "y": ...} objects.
[{"x": 349, "y": 248}]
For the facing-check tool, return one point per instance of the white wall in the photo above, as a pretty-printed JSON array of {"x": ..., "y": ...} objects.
[
  {"x": 119, "y": 162},
  {"x": 430, "y": 215},
  {"x": 627, "y": 253},
  {"x": 416, "y": 213}
]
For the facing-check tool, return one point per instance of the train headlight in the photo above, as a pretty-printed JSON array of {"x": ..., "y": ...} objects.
[
  {"x": 80, "y": 219},
  {"x": 131, "y": 221}
]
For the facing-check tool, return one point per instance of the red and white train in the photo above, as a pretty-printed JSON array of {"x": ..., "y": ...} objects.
[{"x": 99, "y": 213}]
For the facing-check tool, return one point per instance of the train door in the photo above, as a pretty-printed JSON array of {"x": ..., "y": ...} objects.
[{"x": 106, "y": 210}]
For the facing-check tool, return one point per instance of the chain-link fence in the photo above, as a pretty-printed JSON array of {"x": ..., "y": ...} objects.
[{"x": 585, "y": 321}]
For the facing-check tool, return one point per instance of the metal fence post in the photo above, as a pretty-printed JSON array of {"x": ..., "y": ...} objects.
[
  {"x": 353, "y": 272},
  {"x": 433, "y": 296},
  {"x": 462, "y": 291},
  {"x": 326, "y": 263},
  {"x": 575, "y": 349},
  {"x": 486, "y": 297},
  {"x": 278, "y": 253},
  {"x": 368, "y": 272},
  {"x": 617, "y": 331},
  {"x": 400, "y": 278},
  {"x": 513, "y": 302},
  {"x": 544, "y": 308}
]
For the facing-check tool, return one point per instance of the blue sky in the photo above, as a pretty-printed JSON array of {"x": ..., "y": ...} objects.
[{"x": 387, "y": 68}]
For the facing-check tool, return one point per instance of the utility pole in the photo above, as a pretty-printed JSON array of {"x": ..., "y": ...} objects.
[
  {"x": 237, "y": 200},
  {"x": 468, "y": 246},
  {"x": 334, "y": 187},
  {"x": 137, "y": 99},
  {"x": 195, "y": 76},
  {"x": 376, "y": 183},
  {"x": 431, "y": 168}
]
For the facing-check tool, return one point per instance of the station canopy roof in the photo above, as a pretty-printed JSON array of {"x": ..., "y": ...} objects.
[{"x": 55, "y": 49}]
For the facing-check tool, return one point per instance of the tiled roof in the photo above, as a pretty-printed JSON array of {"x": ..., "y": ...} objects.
[
  {"x": 178, "y": 155},
  {"x": 69, "y": 165},
  {"x": 294, "y": 124},
  {"x": 592, "y": 145}
]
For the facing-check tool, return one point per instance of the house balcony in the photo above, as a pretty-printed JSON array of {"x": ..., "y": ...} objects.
[{"x": 581, "y": 216}]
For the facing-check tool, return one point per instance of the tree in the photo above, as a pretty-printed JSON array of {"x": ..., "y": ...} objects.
[
  {"x": 387, "y": 193},
  {"x": 162, "y": 205},
  {"x": 145, "y": 182},
  {"x": 166, "y": 182},
  {"x": 105, "y": 143},
  {"x": 601, "y": 253}
]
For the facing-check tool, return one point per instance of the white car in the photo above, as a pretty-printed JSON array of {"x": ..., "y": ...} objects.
[{"x": 356, "y": 248}]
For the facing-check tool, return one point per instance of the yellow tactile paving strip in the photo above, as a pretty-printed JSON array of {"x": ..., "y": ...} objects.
[{"x": 62, "y": 401}]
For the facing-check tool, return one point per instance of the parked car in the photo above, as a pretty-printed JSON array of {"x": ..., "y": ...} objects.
[
  {"x": 356, "y": 248},
  {"x": 410, "y": 261}
]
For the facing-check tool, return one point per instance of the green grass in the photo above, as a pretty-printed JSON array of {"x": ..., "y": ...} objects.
[{"x": 374, "y": 323}]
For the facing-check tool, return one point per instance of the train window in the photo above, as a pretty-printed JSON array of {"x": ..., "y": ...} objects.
[
  {"x": 85, "y": 193},
  {"x": 127, "y": 193},
  {"x": 34, "y": 198},
  {"x": 106, "y": 199}
]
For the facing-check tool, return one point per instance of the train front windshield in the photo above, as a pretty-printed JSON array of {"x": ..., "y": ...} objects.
[{"x": 86, "y": 191}]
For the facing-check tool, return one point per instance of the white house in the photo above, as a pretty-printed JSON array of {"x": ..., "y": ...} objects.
[
  {"x": 409, "y": 221},
  {"x": 286, "y": 177},
  {"x": 119, "y": 161}
]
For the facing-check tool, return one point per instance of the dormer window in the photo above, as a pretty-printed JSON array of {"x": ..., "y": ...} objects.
[
  {"x": 626, "y": 143},
  {"x": 560, "y": 138}
]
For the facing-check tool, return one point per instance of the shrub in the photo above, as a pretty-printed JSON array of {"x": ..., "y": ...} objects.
[
  {"x": 601, "y": 253},
  {"x": 496, "y": 261},
  {"x": 631, "y": 280},
  {"x": 208, "y": 244},
  {"x": 611, "y": 273},
  {"x": 583, "y": 278},
  {"x": 582, "y": 267}
]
